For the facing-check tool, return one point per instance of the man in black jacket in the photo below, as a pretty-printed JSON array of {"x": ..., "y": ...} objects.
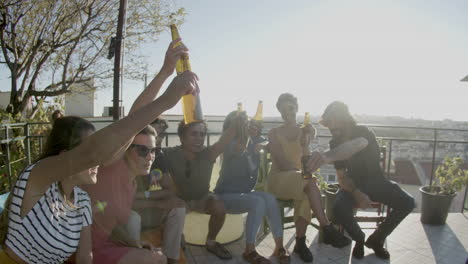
[{"x": 362, "y": 181}]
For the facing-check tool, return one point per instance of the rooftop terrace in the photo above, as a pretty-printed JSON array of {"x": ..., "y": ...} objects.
[{"x": 410, "y": 243}]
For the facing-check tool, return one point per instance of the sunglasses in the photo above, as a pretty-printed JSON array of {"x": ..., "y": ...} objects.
[{"x": 143, "y": 150}]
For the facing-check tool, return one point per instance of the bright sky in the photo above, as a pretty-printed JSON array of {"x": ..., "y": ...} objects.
[{"x": 394, "y": 58}]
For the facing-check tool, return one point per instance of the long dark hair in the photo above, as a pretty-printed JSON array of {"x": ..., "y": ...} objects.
[{"x": 67, "y": 132}]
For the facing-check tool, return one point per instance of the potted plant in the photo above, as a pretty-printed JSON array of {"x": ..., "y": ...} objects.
[{"x": 450, "y": 178}]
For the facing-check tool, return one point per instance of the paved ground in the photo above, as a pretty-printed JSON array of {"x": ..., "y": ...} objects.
[{"x": 411, "y": 243}]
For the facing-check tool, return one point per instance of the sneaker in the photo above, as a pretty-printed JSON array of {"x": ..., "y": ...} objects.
[
  {"x": 358, "y": 250},
  {"x": 302, "y": 250},
  {"x": 376, "y": 244},
  {"x": 332, "y": 237},
  {"x": 218, "y": 250}
]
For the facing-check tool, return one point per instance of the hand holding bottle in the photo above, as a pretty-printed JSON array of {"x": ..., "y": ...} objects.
[
  {"x": 308, "y": 132},
  {"x": 315, "y": 161},
  {"x": 183, "y": 84},
  {"x": 173, "y": 54},
  {"x": 308, "y": 129},
  {"x": 191, "y": 103}
]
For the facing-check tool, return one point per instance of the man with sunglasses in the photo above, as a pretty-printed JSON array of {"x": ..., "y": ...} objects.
[
  {"x": 190, "y": 166},
  {"x": 362, "y": 181},
  {"x": 158, "y": 207}
]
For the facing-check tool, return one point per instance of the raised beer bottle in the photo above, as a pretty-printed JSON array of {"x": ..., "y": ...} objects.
[
  {"x": 191, "y": 104},
  {"x": 259, "y": 114}
]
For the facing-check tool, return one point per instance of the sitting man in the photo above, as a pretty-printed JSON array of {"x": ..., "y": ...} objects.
[
  {"x": 362, "y": 181},
  {"x": 190, "y": 166},
  {"x": 156, "y": 204}
]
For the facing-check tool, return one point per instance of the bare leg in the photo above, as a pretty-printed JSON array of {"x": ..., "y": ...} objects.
[
  {"x": 300, "y": 247},
  {"x": 249, "y": 247},
  {"x": 301, "y": 227},
  {"x": 315, "y": 201},
  {"x": 278, "y": 243},
  {"x": 215, "y": 208}
]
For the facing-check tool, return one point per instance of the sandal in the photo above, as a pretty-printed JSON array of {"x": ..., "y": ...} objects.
[
  {"x": 255, "y": 258},
  {"x": 219, "y": 250},
  {"x": 283, "y": 256}
]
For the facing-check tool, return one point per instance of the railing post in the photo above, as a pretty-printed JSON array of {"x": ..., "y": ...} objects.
[
  {"x": 464, "y": 201},
  {"x": 390, "y": 144},
  {"x": 208, "y": 140},
  {"x": 7, "y": 155},
  {"x": 167, "y": 140},
  {"x": 40, "y": 145},
  {"x": 27, "y": 143},
  {"x": 433, "y": 156}
]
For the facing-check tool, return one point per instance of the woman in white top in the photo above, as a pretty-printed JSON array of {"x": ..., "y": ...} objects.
[{"x": 48, "y": 217}]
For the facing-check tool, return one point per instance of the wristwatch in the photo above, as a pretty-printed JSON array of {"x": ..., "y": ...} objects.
[{"x": 147, "y": 194}]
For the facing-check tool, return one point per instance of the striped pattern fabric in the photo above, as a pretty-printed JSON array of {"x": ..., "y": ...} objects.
[{"x": 50, "y": 232}]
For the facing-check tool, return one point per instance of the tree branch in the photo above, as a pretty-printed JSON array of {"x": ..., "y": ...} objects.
[
  {"x": 70, "y": 82},
  {"x": 46, "y": 93}
]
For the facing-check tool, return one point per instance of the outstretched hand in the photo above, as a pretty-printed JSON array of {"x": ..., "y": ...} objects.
[
  {"x": 316, "y": 160},
  {"x": 173, "y": 54}
]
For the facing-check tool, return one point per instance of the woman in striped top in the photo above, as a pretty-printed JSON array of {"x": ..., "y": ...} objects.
[{"x": 48, "y": 217}]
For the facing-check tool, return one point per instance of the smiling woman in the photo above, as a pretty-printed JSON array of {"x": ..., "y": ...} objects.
[
  {"x": 48, "y": 216},
  {"x": 70, "y": 213}
]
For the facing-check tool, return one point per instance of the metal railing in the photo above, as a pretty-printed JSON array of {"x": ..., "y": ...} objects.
[{"x": 8, "y": 132}]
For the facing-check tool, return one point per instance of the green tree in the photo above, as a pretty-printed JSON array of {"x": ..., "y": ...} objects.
[{"x": 49, "y": 45}]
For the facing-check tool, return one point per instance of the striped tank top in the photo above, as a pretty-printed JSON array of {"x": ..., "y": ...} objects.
[{"x": 50, "y": 232}]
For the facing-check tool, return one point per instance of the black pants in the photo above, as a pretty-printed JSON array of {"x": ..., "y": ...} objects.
[{"x": 386, "y": 192}]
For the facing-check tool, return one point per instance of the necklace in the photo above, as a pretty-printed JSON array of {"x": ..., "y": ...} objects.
[{"x": 62, "y": 192}]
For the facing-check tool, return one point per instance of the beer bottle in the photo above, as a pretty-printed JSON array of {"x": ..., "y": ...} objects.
[
  {"x": 259, "y": 115},
  {"x": 191, "y": 104}
]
